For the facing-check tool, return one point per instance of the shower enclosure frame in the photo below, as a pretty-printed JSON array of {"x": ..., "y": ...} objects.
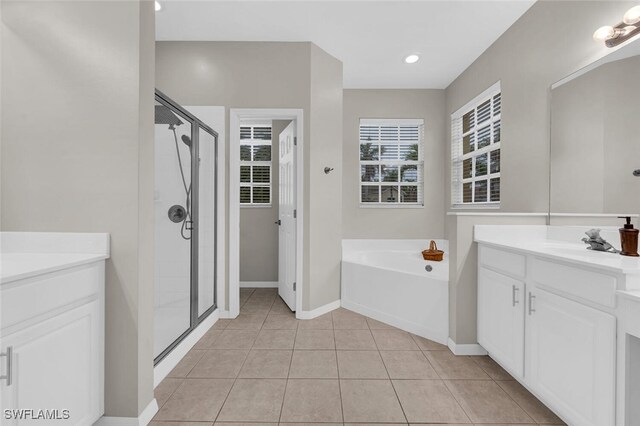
[{"x": 196, "y": 125}]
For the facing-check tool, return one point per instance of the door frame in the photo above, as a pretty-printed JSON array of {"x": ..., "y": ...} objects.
[{"x": 236, "y": 116}]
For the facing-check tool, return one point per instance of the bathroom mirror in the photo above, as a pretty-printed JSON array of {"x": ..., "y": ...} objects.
[{"x": 595, "y": 137}]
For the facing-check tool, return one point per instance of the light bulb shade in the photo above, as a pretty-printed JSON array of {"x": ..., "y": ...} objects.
[
  {"x": 158, "y": 6},
  {"x": 411, "y": 59},
  {"x": 604, "y": 33},
  {"x": 632, "y": 16}
]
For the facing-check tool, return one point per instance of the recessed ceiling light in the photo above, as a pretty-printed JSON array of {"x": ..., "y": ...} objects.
[
  {"x": 158, "y": 6},
  {"x": 412, "y": 59}
]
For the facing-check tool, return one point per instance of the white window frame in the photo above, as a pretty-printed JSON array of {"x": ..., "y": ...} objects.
[
  {"x": 381, "y": 162},
  {"x": 251, "y": 163},
  {"x": 458, "y": 158}
]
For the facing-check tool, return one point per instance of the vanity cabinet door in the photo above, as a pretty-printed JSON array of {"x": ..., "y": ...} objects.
[
  {"x": 501, "y": 319},
  {"x": 56, "y": 365},
  {"x": 571, "y": 358}
]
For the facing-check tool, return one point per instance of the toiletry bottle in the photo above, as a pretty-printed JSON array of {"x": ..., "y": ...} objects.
[{"x": 628, "y": 238}]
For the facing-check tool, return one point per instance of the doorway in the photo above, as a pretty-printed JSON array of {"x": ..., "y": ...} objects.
[{"x": 247, "y": 189}]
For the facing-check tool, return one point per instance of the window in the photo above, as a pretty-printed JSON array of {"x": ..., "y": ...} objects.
[
  {"x": 255, "y": 164},
  {"x": 391, "y": 162},
  {"x": 475, "y": 151}
]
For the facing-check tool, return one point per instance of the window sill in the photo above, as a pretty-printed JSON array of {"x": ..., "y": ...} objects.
[
  {"x": 256, "y": 206},
  {"x": 483, "y": 206},
  {"x": 391, "y": 206}
]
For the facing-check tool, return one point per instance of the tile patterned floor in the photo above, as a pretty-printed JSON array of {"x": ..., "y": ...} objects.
[{"x": 267, "y": 368}]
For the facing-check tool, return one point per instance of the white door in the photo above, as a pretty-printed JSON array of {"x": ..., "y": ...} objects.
[
  {"x": 501, "y": 319},
  {"x": 571, "y": 361},
  {"x": 287, "y": 217}
]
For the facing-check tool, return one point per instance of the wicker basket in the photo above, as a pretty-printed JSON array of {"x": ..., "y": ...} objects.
[{"x": 433, "y": 253}]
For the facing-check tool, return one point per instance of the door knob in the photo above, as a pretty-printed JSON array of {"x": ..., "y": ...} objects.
[{"x": 278, "y": 222}]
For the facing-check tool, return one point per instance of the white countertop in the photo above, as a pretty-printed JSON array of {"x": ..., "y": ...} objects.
[
  {"x": 28, "y": 254},
  {"x": 557, "y": 243}
]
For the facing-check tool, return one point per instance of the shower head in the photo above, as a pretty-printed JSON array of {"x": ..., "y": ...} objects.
[
  {"x": 186, "y": 140},
  {"x": 165, "y": 116}
]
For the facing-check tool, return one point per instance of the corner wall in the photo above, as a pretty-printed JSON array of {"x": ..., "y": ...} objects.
[
  {"x": 402, "y": 222},
  {"x": 77, "y": 156},
  {"x": 550, "y": 41}
]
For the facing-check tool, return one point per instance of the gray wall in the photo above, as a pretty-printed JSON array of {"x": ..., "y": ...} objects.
[
  {"x": 550, "y": 41},
  {"x": 273, "y": 75},
  {"x": 423, "y": 222},
  {"x": 594, "y": 141},
  {"x": 258, "y": 232},
  {"x": 77, "y": 156}
]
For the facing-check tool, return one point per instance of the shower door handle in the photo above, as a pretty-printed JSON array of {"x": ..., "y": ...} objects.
[{"x": 278, "y": 222}]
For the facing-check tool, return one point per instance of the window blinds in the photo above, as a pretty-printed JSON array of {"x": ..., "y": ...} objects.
[{"x": 255, "y": 164}]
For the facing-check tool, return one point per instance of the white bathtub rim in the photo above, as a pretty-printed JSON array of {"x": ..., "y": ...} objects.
[
  {"x": 408, "y": 326},
  {"x": 403, "y": 271}
]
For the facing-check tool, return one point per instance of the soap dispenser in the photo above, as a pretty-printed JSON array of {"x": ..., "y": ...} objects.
[{"x": 628, "y": 238}]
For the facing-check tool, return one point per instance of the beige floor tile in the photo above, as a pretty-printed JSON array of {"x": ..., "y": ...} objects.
[
  {"x": 485, "y": 402},
  {"x": 207, "y": 340},
  {"x": 377, "y": 325},
  {"x": 450, "y": 366},
  {"x": 235, "y": 339},
  {"x": 219, "y": 364},
  {"x": 165, "y": 389},
  {"x": 379, "y": 424},
  {"x": 187, "y": 363},
  {"x": 272, "y": 291},
  {"x": 394, "y": 340},
  {"x": 250, "y": 308},
  {"x": 279, "y": 307},
  {"x": 347, "y": 320},
  {"x": 275, "y": 339},
  {"x": 529, "y": 403},
  {"x": 370, "y": 401},
  {"x": 310, "y": 424},
  {"x": 154, "y": 423},
  {"x": 247, "y": 321},
  {"x": 361, "y": 365},
  {"x": 324, "y": 322},
  {"x": 221, "y": 324},
  {"x": 492, "y": 369},
  {"x": 309, "y": 400},
  {"x": 254, "y": 400},
  {"x": 428, "y": 401},
  {"x": 280, "y": 322},
  {"x": 408, "y": 365},
  {"x": 314, "y": 365},
  {"x": 354, "y": 340},
  {"x": 315, "y": 339},
  {"x": 428, "y": 345},
  {"x": 196, "y": 400},
  {"x": 244, "y": 424},
  {"x": 267, "y": 364}
]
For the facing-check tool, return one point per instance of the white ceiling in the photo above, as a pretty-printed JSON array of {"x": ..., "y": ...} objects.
[{"x": 371, "y": 38}]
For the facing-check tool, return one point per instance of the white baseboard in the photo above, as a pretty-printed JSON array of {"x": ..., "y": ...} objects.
[
  {"x": 411, "y": 327},
  {"x": 319, "y": 311},
  {"x": 170, "y": 361},
  {"x": 142, "y": 420},
  {"x": 258, "y": 284},
  {"x": 226, "y": 315},
  {"x": 466, "y": 349}
]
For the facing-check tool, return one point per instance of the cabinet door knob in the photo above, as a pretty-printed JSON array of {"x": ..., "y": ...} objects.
[
  {"x": 531, "y": 297},
  {"x": 9, "y": 355},
  {"x": 513, "y": 295}
]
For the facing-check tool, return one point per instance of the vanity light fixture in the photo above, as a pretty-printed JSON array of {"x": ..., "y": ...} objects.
[
  {"x": 628, "y": 28},
  {"x": 158, "y": 6},
  {"x": 411, "y": 59}
]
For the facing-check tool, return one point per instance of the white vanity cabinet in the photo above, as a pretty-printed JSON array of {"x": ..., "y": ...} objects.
[
  {"x": 552, "y": 324},
  {"x": 53, "y": 322},
  {"x": 501, "y": 308},
  {"x": 570, "y": 358}
]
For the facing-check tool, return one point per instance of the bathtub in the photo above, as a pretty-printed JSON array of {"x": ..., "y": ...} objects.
[{"x": 386, "y": 280}]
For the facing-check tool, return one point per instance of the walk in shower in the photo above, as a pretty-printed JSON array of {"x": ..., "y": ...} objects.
[{"x": 185, "y": 223}]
